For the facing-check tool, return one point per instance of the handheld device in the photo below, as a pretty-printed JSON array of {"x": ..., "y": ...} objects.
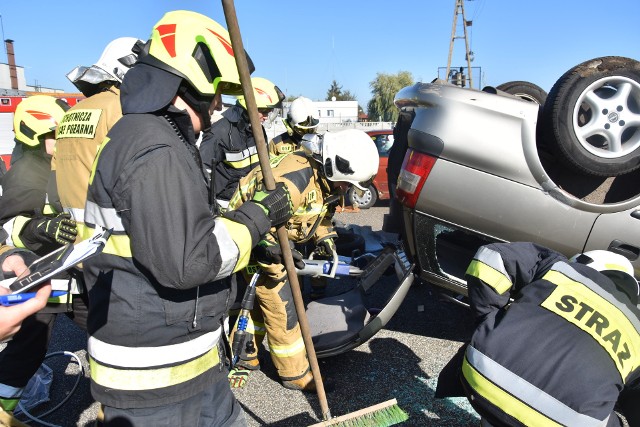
[{"x": 57, "y": 261}]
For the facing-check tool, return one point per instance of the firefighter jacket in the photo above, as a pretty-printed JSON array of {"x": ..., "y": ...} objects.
[
  {"x": 309, "y": 191},
  {"x": 282, "y": 144},
  {"x": 156, "y": 304},
  {"x": 24, "y": 192},
  {"x": 229, "y": 151},
  {"x": 80, "y": 133},
  {"x": 561, "y": 352}
]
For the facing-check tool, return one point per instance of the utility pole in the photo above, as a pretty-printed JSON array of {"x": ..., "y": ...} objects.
[{"x": 459, "y": 10}]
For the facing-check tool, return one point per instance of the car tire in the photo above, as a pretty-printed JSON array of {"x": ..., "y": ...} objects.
[
  {"x": 525, "y": 90},
  {"x": 592, "y": 115},
  {"x": 368, "y": 199}
]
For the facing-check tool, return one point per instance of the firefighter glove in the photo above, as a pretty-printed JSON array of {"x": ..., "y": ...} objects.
[
  {"x": 275, "y": 203},
  {"x": 270, "y": 253},
  {"x": 60, "y": 229},
  {"x": 326, "y": 248}
]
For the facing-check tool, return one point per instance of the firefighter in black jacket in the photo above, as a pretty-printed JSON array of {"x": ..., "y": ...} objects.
[
  {"x": 156, "y": 302},
  {"x": 561, "y": 351},
  {"x": 228, "y": 150},
  {"x": 25, "y": 226},
  {"x": 22, "y": 205}
]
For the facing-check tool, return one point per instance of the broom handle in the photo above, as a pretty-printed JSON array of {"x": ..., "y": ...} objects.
[{"x": 261, "y": 145}]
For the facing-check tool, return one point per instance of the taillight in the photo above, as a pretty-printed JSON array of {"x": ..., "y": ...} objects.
[{"x": 416, "y": 167}]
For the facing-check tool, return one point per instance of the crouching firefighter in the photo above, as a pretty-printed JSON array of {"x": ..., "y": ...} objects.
[
  {"x": 561, "y": 352},
  {"x": 327, "y": 165}
]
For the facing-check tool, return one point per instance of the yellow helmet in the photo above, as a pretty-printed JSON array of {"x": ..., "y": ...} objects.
[
  {"x": 35, "y": 116},
  {"x": 196, "y": 48},
  {"x": 268, "y": 95}
]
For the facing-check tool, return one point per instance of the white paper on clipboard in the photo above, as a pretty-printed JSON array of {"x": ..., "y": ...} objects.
[{"x": 57, "y": 261}]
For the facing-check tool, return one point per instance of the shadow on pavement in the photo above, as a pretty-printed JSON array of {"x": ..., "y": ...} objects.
[{"x": 394, "y": 372}]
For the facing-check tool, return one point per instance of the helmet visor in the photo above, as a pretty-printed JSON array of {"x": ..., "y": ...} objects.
[{"x": 309, "y": 125}]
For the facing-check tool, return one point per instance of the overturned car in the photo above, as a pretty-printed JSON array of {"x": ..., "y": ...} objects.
[{"x": 486, "y": 166}]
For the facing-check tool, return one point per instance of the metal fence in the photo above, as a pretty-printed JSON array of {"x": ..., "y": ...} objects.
[{"x": 277, "y": 128}]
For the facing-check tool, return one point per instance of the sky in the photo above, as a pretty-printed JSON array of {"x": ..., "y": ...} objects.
[{"x": 303, "y": 46}]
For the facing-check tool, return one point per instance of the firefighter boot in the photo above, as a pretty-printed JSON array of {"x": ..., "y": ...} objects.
[{"x": 304, "y": 383}]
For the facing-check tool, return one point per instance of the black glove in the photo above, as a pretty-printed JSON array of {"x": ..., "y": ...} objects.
[
  {"x": 60, "y": 229},
  {"x": 326, "y": 248},
  {"x": 276, "y": 204},
  {"x": 270, "y": 253}
]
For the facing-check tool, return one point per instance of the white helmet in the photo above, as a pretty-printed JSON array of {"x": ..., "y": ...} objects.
[
  {"x": 348, "y": 155},
  {"x": 616, "y": 267},
  {"x": 116, "y": 59},
  {"x": 300, "y": 116}
]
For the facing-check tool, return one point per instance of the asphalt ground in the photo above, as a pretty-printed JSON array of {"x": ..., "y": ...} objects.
[{"x": 401, "y": 361}]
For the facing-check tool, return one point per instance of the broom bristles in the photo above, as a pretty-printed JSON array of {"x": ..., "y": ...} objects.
[{"x": 381, "y": 415}]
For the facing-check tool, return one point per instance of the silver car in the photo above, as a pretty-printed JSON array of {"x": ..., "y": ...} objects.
[{"x": 486, "y": 166}]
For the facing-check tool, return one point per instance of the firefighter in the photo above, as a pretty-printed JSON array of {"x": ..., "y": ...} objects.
[
  {"x": 327, "y": 166},
  {"x": 156, "y": 304},
  {"x": 22, "y": 205},
  {"x": 561, "y": 351},
  {"x": 228, "y": 150},
  {"x": 26, "y": 226},
  {"x": 299, "y": 122},
  {"x": 85, "y": 125}
]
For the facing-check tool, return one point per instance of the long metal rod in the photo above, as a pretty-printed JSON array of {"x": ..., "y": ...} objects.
[{"x": 263, "y": 155}]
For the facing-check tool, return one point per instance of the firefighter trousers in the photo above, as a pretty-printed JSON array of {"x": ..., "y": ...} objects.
[{"x": 275, "y": 315}]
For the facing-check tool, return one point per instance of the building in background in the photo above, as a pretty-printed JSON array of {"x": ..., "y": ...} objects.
[{"x": 13, "y": 89}]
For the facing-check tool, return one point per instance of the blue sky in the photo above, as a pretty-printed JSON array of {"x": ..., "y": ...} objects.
[{"x": 302, "y": 46}]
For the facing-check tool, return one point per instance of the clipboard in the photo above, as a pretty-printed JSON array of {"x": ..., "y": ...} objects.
[{"x": 57, "y": 261}]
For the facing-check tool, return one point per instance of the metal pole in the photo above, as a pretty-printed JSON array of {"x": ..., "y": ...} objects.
[
  {"x": 263, "y": 155},
  {"x": 466, "y": 45},
  {"x": 453, "y": 38}
]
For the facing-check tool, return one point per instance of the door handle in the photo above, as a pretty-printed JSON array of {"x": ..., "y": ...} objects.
[{"x": 628, "y": 251}]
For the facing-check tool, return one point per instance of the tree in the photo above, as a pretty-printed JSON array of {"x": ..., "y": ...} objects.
[
  {"x": 336, "y": 90},
  {"x": 384, "y": 89}
]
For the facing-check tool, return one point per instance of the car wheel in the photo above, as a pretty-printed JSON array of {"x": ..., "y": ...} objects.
[
  {"x": 525, "y": 90},
  {"x": 591, "y": 119},
  {"x": 368, "y": 199}
]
